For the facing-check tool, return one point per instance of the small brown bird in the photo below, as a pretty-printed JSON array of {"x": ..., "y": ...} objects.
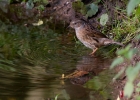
[{"x": 89, "y": 36}]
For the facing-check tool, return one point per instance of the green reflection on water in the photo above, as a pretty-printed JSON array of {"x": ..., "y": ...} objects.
[{"x": 36, "y": 45}]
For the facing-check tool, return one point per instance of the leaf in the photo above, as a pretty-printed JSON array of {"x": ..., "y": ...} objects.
[
  {"x": 124, "y": 51},
  {"x": 41, "y": 7},
  {"x": 131, "y": 6},
  {"x": 119, "y": 74},
  {"x": 116, "y": 62},
  {"x": 137, "y": 12},
  {"x": 92, "y": 10},
  {"x": 94, "y": 83},
  {"x": 128, "y": 89},
  {"x": 103, "y": 19},
  {"x": 29, "y": 4},
  {"x": 129, "y": 54},
  {"x": 131, "y": 73},
  {"x": 137, "y": 67},
  {"x": 128, "y": 70}
]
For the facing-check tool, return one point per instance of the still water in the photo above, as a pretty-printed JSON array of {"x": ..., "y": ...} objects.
[
  {"x": 38, "y": 56},
  {"x": 43, "y": 83}
]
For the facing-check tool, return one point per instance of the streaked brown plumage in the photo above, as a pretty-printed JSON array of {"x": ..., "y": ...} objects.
[{"x": 89, "y": 36}]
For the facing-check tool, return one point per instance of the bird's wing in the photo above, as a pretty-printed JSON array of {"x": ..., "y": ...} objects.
[
  {"x": 98, "y": 34},
  {"x": 95, "y": 33}
]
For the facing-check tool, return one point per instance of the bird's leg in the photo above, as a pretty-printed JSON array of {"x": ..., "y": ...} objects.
[{"x": 94, "y": 51}]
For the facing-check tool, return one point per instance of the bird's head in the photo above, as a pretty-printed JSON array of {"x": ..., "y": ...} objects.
[{"x": 76, "y": 23}]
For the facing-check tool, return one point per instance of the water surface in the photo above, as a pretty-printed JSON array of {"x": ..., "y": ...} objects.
[
  {"x": 33, "y": 58},
  {"x": 44, "y": 83}
]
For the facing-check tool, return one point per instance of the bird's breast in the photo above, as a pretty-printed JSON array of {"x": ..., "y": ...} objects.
[
  {"x": 80, "y": 35},
  {"x": 84, "y": 39}
]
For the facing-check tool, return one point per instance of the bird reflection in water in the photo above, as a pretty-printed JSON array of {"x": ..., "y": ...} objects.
[{"x": 88, "y": 67}]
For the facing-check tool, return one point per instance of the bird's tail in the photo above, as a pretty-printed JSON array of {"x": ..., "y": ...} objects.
[
  {"x": 120, "y": 44},
  {"x": 106, "y": 41}
]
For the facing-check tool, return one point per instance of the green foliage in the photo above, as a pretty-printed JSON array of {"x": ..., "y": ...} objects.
[
  {"x": 125, "y": 30},
  {"x": 41, "y": 7},
  {"x": 7, "y": 65},
  {"x": 87, "y": 10},
  {"x": 119, "y": 74},
  {"x": 94, "y": 83},
  {"x": 131, "y": 71},
  {"x": 29, "y": 4},
  {"x": 130, "y": 30},
  {"x": 131, "y": 6},
  {"x": 103, "y": 19},
  {"x": 128, "y": 89},
  {"x": 92, "y": 9},
  {"x": 36, "y": 44},
  {"x": 100, "y": 84},
  {"x": 137, "y": 11},
  {"x": 116, "y": 61},
  {"x": 127, "y": 52},
  {"x": 17, "y": 42},
  {"x": 41, "y": 3},
  {"x": 137, "y": 37}
]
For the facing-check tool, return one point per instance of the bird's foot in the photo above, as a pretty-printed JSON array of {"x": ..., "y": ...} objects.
[{"x": 92, "y": 54}]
